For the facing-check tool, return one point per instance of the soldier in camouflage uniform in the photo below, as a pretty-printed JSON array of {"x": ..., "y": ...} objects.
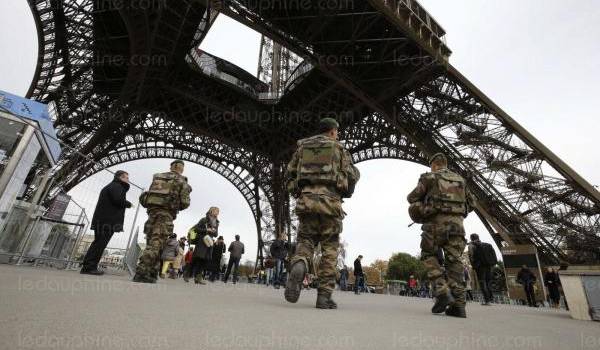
[
  {"x": 168, "y": 194},
  {"x": 440, "y": 203},
  {"x": 320, "y": 174}
]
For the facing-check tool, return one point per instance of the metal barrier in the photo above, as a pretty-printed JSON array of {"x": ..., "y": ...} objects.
[
  {"x": 132, "y": 254},
  {"x": 59, "y": 234}
]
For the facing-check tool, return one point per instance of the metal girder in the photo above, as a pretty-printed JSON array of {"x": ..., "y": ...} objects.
[{"x": 181, "y": 108}]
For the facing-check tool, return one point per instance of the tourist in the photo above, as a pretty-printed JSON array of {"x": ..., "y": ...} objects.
[
  {"x": 279, "y": 250},
  {"x": 482, "y": 263},
  {"x": 527, "y": 279},
  {"x": 552, "y": 282},
  {"x": 269, "y": 265},
  {"x": 358, "y": 274},
  {"x": 206, "y": 228},
  {"x": 178, "y": 262},
  {"x": 412, "y": 286},
  {"x": 236, "y": 250},
  {"x": 187, "y": 261},
  {"x": 468, "y": 286},
  {"x": 344, "y": 275},
  {"x": 169, "y": 253},
  {"x": 107, "y": 219},
  {"x": 217, "y": 254}
]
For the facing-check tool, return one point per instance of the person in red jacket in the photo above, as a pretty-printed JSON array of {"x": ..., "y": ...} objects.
[
  {"x": 187, "y": 268},
  {"x": 412, "y": 286}
]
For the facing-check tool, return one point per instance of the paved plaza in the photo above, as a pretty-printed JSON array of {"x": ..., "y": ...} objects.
[{"x": 54, "y": 309}]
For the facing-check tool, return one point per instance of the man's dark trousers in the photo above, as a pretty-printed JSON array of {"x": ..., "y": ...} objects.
[
  {"x": 278, "y": 276},
  {"x": 528, "y": 287},
  {"x": 484, "y": 277},
  {"x": 102, "y": 236},
  {"x": 358, "y": 281},
  {"x": 230, "y": 264}
]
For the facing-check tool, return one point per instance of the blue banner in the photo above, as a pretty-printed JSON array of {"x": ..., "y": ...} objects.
[{"x": 35, "y": 111}]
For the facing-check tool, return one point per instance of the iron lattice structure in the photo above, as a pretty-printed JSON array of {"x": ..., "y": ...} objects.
[{"x": 127, "y": 82}]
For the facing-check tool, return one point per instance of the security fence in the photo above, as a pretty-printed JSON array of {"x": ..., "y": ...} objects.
[
  {"x": 49, "y": 222},
  {"x": 59, "y": 234},
  {"x": 132, "y": 254}
]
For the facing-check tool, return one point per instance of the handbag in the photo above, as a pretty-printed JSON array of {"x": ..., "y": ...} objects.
[{"x": 208, "y": 241}]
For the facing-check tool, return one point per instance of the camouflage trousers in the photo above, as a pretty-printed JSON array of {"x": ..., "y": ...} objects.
[
  {"x": 450, "y": 276},
  {"x": 315, "y": 229},
  {"x": 157, "y": 228}
]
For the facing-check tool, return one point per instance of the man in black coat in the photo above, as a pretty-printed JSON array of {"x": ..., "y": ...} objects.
[
  {"x": 358, "y": 274},
  {"x": 527, "y": 279},
  {"x": 482, "y": 269},
  {"x": 108, "y": 218}
]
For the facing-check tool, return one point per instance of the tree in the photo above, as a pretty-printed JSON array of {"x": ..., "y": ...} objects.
[
  {"x": 373, "y": 275},
  {"x": 402, "y": 265},
  {"x": 381, "y": 265}
]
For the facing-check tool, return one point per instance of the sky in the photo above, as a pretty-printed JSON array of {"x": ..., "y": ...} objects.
[{"x": 538, "y": 59}]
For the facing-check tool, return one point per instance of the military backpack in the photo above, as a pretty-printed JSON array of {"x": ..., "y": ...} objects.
[
  {"x": 162, "y": 192},
  {"x": 448, "y": 195},
  {"x": 318, "y": 164}
]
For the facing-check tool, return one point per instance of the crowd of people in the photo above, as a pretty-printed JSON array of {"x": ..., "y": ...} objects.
[{"x": 319, "y": 175}]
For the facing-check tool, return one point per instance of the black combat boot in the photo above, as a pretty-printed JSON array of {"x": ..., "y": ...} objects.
[
  {"x": 324, "y": 301},
  {"x": 456, "y": 311},
  {"x": 441, "y": 302},
  {"x": 293, "y": 286},
  {"x": 143, "y": 279}
]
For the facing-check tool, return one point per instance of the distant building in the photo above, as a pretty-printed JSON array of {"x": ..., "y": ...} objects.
[
  {"x": 84, "y": 245},
  {"x": 113, "y": 260}
]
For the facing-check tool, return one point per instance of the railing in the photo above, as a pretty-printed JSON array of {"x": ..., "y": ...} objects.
[
  {"x": 132, "y": 254},
  {"x": 302, "y": 69},
  {"x": 416, "y": 18},
  {"x": 56, "y": 234},
  {"x": 424, "y": 16},
  {"x": 207, "y": 64}
]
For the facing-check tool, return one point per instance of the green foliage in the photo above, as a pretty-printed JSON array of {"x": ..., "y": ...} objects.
[{"x": 402, "y": 265}]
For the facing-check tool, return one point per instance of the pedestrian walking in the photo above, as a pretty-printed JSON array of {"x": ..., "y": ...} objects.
[
  {"x": 527, "y": 279},
  {"x": 207, "y": 229},
  {"x": 468, "y": 286},
  {"x": 440, "y": 202},
  {"x": 217, "y": 256},
  {"x": 482, "y": 257},
  {"x": 107, "y": 219},
  {"x": 279, "y": 249},
  {"x": 236, "y": 250},
  {"x": 169, "y": 253},
  {"x": 552, "y": 282},
  {"x": 358, "y": 274},
  {"x": 344, "y": 274},
  {"x": 169, "y": 193},
  {"x": 320, "y": 175}
]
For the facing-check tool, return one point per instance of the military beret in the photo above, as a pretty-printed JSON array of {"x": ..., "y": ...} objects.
[
  {"x": 328, "y": 124},
  {"x": 437, "y": 155},
  {"x": 177, "y": 161}
]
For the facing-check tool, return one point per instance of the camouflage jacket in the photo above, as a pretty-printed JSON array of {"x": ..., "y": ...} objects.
[{"x": 324, "y": 194}]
